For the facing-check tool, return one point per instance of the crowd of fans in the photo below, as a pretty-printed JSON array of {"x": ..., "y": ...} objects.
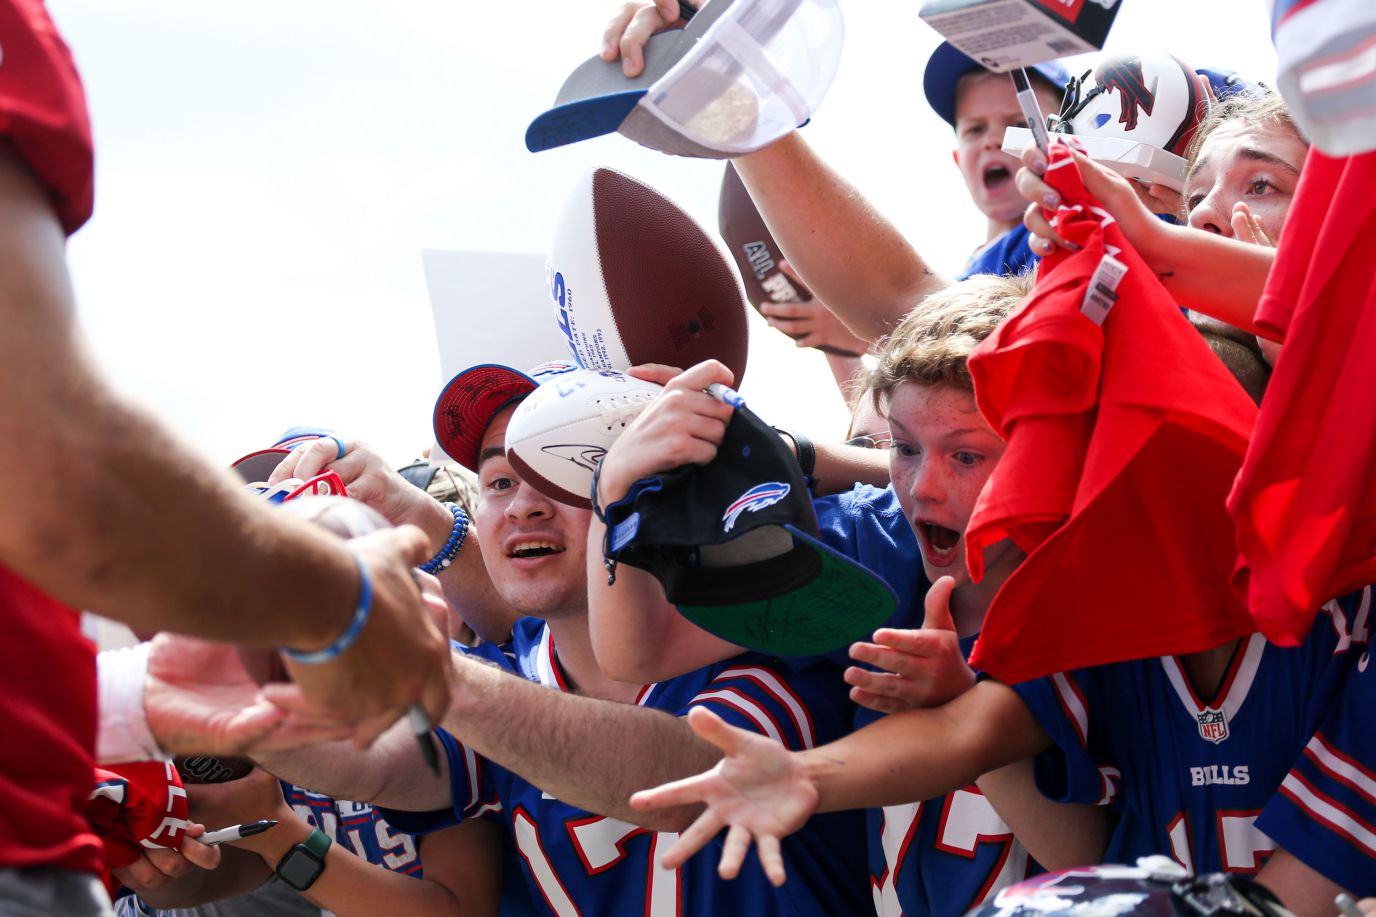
[{"x": 427, "y": 680}]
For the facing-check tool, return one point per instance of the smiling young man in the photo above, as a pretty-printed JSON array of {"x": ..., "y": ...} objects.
[{"x": 539, "y": 738}]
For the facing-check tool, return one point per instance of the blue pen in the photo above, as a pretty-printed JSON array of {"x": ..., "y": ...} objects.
[{"x": 726, "y": 394}]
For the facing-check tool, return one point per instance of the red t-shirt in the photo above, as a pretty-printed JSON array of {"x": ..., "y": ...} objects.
[
  {"x": 48, "y": 711},
  {"x": 1305, "y": 500},
  {"x": 47, "y": 667},
  {"x": 1123, "y": 439}
]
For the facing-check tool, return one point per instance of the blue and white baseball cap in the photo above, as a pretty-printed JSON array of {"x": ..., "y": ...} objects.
[
  {"x": 742, "y": 74},
  {"x": 948, "y": 64}
]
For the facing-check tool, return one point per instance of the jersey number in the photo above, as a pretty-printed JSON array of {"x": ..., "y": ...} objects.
[
  {"x": 601, "y": 844},
  {"x": 967, "y": 820},
  {"x": 1241, "y": 847}
]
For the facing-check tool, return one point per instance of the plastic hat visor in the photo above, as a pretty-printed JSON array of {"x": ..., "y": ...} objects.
[{"x": 742, "y": 74}]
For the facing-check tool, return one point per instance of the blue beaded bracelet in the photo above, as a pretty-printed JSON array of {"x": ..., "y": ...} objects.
[
  {"x": 451, "y": 547},
  {"x": 350, "y": 635}
]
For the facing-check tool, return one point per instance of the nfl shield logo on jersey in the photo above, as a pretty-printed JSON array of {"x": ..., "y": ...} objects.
[{"x": 1213, "y": 725}]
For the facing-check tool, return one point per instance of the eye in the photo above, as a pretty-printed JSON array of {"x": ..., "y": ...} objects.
[
  {"x": 1259, "y": 186},
  {"x": 499, "y": 483},
  {"x": 1192, "y": 201},
  {"x": 969, "y": 459},
  {"x": 903, "y": 450}
]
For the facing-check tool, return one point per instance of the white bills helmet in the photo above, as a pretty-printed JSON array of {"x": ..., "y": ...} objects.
[{"x": 1152, "y": 98}]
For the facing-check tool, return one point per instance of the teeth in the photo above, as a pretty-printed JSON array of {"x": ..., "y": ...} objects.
[{"x": 530, "y": 547}]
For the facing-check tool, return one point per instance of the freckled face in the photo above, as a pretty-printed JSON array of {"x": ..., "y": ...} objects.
[{"x": 943, "y": 453}]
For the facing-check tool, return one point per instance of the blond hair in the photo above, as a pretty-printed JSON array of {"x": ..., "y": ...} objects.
[
  {"x": 1249, "y": 108},
  {"x": 932, "y": 343}
]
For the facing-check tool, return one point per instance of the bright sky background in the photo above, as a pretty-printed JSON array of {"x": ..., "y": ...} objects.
[{"x": 268, "y": 173}]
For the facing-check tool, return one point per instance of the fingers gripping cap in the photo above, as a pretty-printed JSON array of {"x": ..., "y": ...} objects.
[
  {"x": 735, "y": 544},
  {"x": 742, "y": 74}
]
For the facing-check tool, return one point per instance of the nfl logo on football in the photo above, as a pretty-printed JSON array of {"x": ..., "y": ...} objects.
[{"x": 1213, "y": 725}]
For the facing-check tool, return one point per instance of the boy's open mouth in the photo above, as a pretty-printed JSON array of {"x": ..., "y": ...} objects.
[
  {"x": 939, "y": 542},
  {"x": 996, "y": 176}
]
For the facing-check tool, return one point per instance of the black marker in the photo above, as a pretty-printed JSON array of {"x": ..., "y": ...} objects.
[
  {"x": 420, "y": 726},
  {"x": 235, "y": 832},
  {"x": 1027, "y": 101}
]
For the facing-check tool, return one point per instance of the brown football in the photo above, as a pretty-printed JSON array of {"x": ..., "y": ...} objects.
[
  {"x": 210, "y": 768},
  {"x": 756, "y": 253},
  {"x": 634, "y": 279}
]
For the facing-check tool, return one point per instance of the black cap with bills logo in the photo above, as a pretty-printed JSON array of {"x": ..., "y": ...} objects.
[{"x": 735, "y": 544}]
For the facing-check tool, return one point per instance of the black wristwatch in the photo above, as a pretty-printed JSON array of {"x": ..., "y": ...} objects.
[{"x": 304, "y": 863}]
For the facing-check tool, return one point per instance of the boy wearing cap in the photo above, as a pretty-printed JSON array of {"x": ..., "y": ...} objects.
[
  {"x": 827, "y": 229},
  {"x": 540, "y": 738},
  {"x": 947, "y": 854}
]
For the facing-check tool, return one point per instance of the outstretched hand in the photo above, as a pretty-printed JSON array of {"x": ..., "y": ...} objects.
[
  {"x": 922, "y": 668},
  {"x": 759, "y": 792},
  {"x": 200, "y": 699}
]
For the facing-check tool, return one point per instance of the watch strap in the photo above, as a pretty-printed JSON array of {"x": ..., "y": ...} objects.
[{"x": 318, "y": 843}]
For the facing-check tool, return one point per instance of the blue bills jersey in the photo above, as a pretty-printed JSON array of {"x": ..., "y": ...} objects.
[
  {"x": 1325, "y": 813},
  {"x": 354, "y": 826},
  {"x": 576, "y": 862},
  {"x": 1189, "y": 775},
  {"x": 357, "y": 827},
  {"x": 945, "y": 855},
  {"x": 1008, "y": 254}
]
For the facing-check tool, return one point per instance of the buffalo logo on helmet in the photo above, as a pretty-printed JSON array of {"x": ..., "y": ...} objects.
[
  {"x": 1133, "y": 92},
  {"x": 753, "y": 500},
  {"x": 1153, "y": 98}
]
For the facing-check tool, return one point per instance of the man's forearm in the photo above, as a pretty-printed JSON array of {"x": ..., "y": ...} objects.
[
  {"x": 589, "y": 753},
  {"x": 103, "y": 508},
  {"x": 637, "y": 635},
  {"x": 840, "y": 467},
  {"x": 848, "y": 254}
]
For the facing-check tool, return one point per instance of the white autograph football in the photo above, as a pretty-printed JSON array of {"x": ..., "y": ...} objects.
[{"x": 560, "y": 432}]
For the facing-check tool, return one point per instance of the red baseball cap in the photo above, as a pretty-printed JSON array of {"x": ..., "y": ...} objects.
[{"x": 470, "y": 400}]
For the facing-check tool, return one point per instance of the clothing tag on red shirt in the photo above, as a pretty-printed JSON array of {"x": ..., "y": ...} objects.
[{"x": 1102, "y": 291}]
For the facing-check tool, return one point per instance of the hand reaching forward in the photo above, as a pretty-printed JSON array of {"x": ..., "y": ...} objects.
[
  {"x": 759, "y": 791},
  {"x": 922, "y": 668},
  {"x": 200, "y": 699}
]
